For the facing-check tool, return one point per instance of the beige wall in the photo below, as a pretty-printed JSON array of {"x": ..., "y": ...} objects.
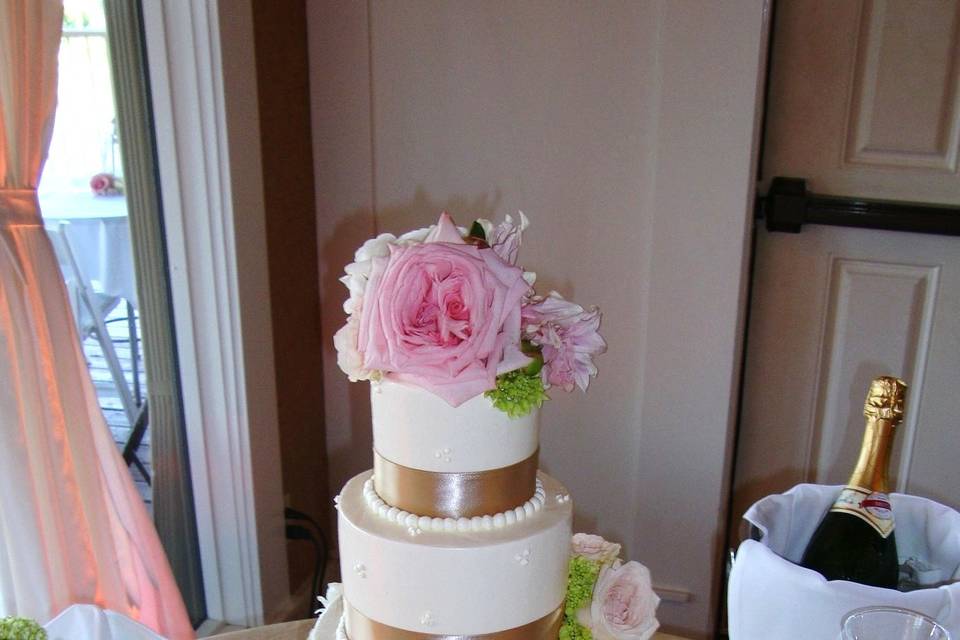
[
  {"x": 483, "y": 110},
  {"x": 288, "y": 193},
  {"x": 596, "y": 119}
]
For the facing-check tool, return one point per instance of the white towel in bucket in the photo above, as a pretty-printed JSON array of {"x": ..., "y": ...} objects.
[{"x": 771, "y": 598}]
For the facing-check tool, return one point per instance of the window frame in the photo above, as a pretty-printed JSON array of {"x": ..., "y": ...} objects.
[{"x": 202, "y": 76}]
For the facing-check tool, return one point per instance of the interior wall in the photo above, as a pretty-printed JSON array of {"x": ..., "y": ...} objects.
[
  {"x": 482, "y": 109},
  {"x": 283, "y": 98},
  {"x": 625, "y": 130}
]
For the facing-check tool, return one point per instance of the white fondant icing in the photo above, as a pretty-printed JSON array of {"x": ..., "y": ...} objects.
[
  {"x": 412, "y": 426},
  {"x": 476, "y": 523},
  {"x": 443, "y": 569}
]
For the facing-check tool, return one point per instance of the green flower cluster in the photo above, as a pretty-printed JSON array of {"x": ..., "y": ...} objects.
[
  {"x": 517, "y": 393},
  {"x": 581, "y": 579},
  {"x": 14, "y": 628}
]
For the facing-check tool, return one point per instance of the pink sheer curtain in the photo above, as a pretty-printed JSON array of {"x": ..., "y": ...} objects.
[{"x": 73, "y": 528}]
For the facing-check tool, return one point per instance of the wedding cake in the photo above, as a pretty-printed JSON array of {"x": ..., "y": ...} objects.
[{"x": 455, "y": 533}]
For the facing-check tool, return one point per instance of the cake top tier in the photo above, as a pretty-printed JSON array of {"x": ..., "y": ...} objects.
[{"x": 449, "y": 310}]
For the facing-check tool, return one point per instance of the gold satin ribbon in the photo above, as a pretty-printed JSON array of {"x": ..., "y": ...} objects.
[
  {"x": 455, "y": 495},
  {"x": 360, "y": 627}
]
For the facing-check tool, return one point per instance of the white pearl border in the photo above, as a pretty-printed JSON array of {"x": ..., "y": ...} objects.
[{"x": 450, "y": 525}]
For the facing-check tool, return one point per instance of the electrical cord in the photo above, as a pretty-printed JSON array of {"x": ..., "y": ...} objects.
[{"x": 316, "y": 537}]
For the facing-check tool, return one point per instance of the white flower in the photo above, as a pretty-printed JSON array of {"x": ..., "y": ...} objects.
[
  {"x": 624, "y": 605},
  {"x": 593, "y": 547},
  {"x": 415, "y": 236},
  {"x": 358, "y": 272},
  {"x": 348, "y": 357},
  {"x": 378, "y": 247}
]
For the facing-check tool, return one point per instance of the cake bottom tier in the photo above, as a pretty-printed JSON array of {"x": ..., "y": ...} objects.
[{"x": 497, "y": 578}]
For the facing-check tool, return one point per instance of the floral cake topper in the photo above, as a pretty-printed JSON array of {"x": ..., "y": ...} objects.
[{"x": 449, "y": 310}]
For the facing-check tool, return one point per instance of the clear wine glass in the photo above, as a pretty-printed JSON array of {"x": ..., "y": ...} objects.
[{"x": 891, "y": 623}]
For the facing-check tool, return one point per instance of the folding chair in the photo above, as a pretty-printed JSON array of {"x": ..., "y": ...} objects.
[{"x": 91, "y": 308}]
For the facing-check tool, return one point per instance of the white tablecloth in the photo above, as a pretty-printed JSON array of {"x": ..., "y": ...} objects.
[
  {"x": 99, "y": 235},
  {"x": 90, "y": 622}
]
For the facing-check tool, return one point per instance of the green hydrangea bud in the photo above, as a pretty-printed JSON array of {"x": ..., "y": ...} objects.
[
  {"x": 517, "y": 393},
  {"x": 15, "y": 628}
]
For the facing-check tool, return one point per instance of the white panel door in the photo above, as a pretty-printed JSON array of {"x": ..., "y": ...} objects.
[{"x": 863, "y": 102}]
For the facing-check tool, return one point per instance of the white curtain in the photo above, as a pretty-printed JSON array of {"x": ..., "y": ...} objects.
[{"x": 73, "y": 528}]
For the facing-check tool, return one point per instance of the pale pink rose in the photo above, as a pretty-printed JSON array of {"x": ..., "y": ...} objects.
[
  {"x": 593, "y": 547},
  {"x": 443, "y": 315},
  {"x": 624, "y": 605},
  {"x": 101, "y": 184},
  {"x": 569, "y": 337}
]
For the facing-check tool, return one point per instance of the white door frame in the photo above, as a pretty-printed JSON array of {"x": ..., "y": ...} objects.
[
  {"x": 203, "y": 86},
  {"x": 699, "y": 253}
]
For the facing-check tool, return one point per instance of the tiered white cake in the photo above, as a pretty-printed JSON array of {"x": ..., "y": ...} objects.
[
  {"x": 459, "y": 570},
  {"x": 455, "y": 534}
]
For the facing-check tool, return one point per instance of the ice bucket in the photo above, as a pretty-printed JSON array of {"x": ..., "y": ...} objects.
[{"x": 769, "y": 597}]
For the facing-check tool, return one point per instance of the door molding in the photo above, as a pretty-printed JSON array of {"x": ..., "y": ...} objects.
[
  {"x": 173, "y": 508},
  {"x": 202, "y": 75}
]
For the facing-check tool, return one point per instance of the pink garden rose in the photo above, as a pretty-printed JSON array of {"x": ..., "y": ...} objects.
[
  {"x": 443, "y": 315},
  {"x": 624, "y": 605},
  {"x": 594, "y": 547}
]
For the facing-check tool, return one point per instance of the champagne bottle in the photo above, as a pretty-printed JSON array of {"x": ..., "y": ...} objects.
[{"x": 855, "y": 540}]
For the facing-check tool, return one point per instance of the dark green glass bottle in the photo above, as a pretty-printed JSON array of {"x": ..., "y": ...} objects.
[{"x": 855, "y": 540}]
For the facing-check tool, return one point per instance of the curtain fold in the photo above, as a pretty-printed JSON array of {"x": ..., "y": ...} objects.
[{"x": 73, "y": 528}]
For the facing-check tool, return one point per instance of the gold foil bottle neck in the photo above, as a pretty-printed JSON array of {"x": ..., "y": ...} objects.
[{"x": 885, "y": 399}]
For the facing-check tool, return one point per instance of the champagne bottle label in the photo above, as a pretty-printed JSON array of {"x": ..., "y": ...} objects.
[{"x": 871, "y": 506}]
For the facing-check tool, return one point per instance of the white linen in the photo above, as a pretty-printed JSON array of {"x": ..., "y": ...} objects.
[
  {"x": 90, "y": 622},
  {"x": 772, "y": 598},
  {"x": 73, "y": 528},
  {"x": 99, "y": 233}
]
